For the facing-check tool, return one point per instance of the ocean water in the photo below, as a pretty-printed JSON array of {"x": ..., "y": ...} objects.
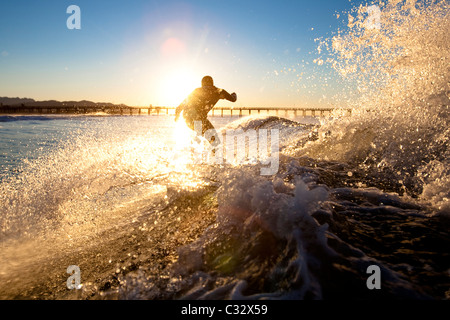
[{"x": 122, "y": 198}]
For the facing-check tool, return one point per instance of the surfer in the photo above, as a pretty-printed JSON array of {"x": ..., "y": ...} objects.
[{"x": 197, "y": 105}]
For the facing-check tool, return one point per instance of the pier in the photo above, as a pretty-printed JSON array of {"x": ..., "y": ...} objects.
[{"x": 153, "y": 110}]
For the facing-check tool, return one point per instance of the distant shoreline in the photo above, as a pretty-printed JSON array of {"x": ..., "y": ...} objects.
[{"x": 28, "y": 102}]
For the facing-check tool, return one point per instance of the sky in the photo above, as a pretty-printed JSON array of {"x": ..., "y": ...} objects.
[{"x": 140, "y": 52}]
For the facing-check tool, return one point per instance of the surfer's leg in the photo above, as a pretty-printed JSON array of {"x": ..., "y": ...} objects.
[
  {"x": 207, "y": 125},
  {"x": 196, "y": 125},
  {"x": 189, "y": 123}
]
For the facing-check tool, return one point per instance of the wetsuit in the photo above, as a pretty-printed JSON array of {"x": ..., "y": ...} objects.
[{"x": 197, "y": 105}]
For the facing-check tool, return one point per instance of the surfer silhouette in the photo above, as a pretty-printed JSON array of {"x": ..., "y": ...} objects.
[{"x": 197, "y": 105}]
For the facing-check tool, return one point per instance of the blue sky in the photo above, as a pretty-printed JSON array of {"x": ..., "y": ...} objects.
[{"x": 154, "y": 52}]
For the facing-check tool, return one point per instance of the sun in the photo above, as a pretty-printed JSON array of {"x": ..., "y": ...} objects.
[{"x": 177, "y": 85}]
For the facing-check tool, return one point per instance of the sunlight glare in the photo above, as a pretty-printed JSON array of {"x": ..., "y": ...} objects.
[
  {"x": 177, "y": 85},
  {"x": 182, "y": 134},
  {"x": 190, "y": 148}
]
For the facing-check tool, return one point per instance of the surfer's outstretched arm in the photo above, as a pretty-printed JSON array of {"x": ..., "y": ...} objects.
[{"x": 230, "y": 97}]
